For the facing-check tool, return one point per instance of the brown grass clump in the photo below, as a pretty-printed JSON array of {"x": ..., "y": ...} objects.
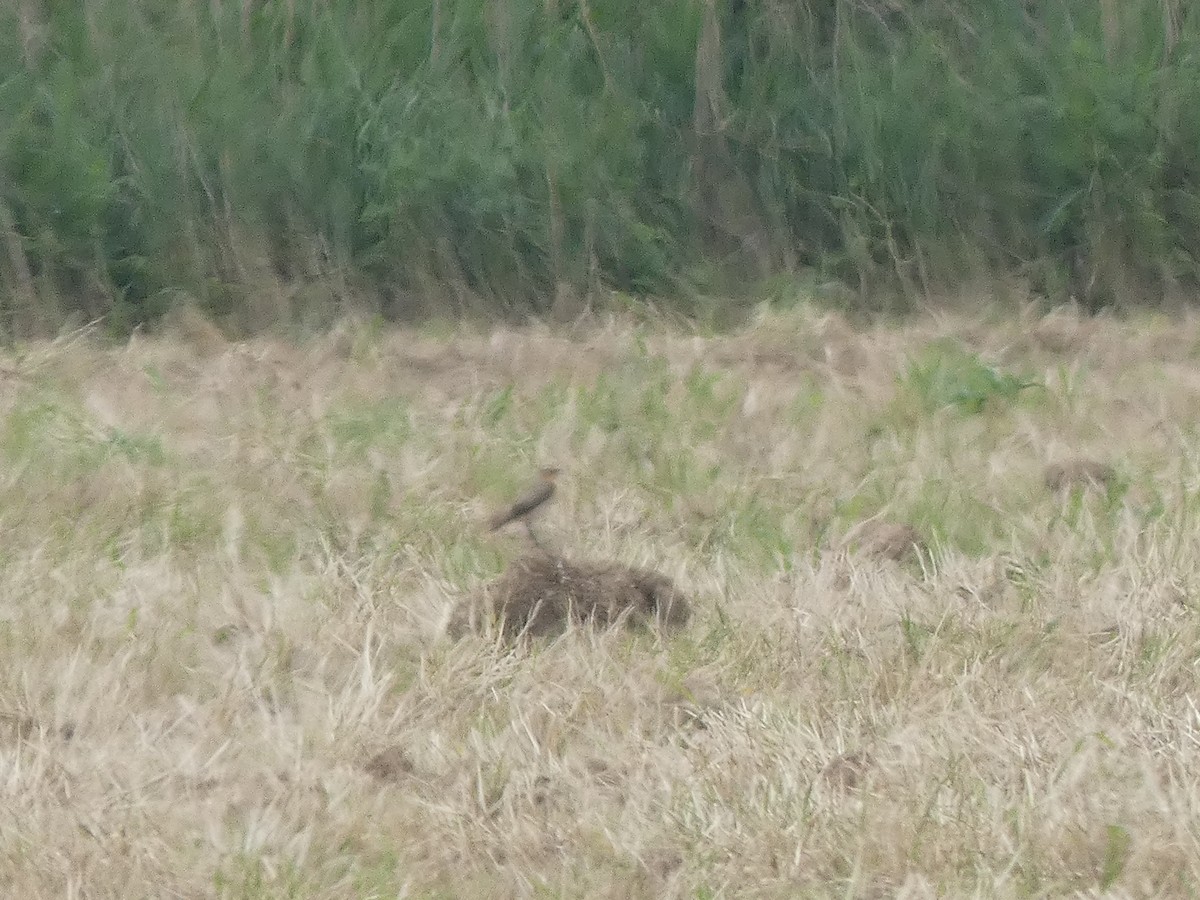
[
  {"x": 391, "y": 764},
  {"x": 847, "y": 770},
  {"x": 1062, "y": 332},
  {"x": 540, "y": 594},
  {"x": 16, "y": 727},
  {"x": 1088, "y": 473},
  {"x": 189, "y": 326},
  {"x": 881, "y": 539}
]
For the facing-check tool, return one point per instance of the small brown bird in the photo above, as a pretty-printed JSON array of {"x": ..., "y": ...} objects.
[{"x": 541, "y": 491}]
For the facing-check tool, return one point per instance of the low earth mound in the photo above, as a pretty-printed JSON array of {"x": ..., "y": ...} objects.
[
  {"x": 880, "y": 539},
  {"x": 1084, "y": 473},
  {"x": 540, "y": 594}
]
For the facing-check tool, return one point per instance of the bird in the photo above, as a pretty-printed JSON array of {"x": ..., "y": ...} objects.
[{"x": 537, "y": 495}]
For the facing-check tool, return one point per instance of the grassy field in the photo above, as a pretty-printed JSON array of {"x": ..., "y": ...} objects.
[{"x": 227, "y": 571}]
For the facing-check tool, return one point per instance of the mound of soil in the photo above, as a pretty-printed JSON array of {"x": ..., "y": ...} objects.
[
  {"x": 1088, "y": 473},
  {"x": 880, "y": 539},
  {"x": 391, "y": 764},
  {"x": 540, "y": 594},
  {"x": 847, "y": 770}
]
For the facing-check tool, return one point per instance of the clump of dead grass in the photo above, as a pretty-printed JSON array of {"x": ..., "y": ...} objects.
[
  {"x": 390, "y": 764},
  {"x": 542, "y": 594},
  {"x": 881, "y": 539},
  {"x": 1087, "y": 473}
]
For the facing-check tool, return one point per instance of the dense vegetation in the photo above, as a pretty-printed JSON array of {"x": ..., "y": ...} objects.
[{"x": 276, "y": 158}]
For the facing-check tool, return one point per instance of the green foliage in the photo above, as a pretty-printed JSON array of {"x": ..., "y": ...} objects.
[
  {"x": 432, "y": 153},
  {"x": 382, "y": 424},
  {"x": 146, "y": 448},
  {"x": 1118, "y": 845},
  {"x": 945, "y": 375}
]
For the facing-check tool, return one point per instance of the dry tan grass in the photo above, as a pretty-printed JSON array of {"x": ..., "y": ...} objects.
[{"x": 227, "y": 573}]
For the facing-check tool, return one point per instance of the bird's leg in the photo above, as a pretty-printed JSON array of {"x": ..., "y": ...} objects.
[{"x": 533, "y": 537}]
